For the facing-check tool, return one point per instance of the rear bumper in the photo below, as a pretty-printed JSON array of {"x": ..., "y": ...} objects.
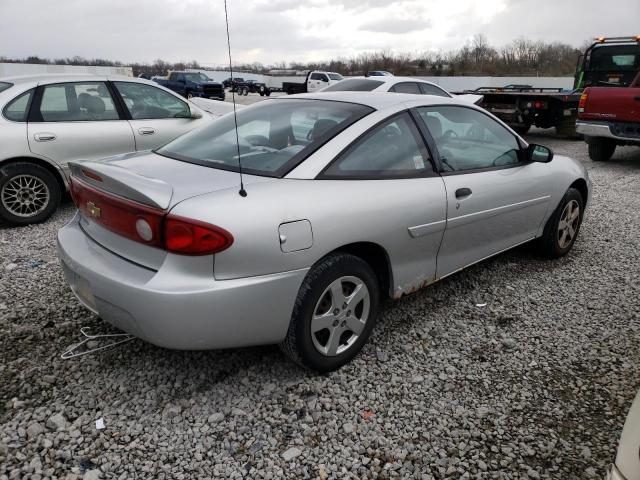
[
  {"x": 602, "y": 130},
  {"x": 180, "y": 306}
]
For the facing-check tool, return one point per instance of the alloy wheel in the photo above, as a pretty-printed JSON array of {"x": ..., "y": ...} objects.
[
  {"x": 568, "y": 224},
  {"x": 340, "y": 315},
  {"x": 25, "y": 195}
]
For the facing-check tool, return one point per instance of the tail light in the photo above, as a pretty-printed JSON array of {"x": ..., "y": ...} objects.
[
  {"x": 583, "y": 102},
  {"x": 151, "y": 226},
  {"x": 191, "y": 237}
]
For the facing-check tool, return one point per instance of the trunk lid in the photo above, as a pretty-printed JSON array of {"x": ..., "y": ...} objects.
[{"x": 150, "y": 180}]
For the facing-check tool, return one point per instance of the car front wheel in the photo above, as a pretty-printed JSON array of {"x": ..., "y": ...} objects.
[
  {"x": 334, "y": 313},
  {"x": 562, "y": 228},
  {"x": 29, "y": 193}
]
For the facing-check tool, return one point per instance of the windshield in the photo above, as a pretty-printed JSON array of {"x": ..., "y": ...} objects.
[
  {"x": 622, "y": 57},
  {"x": 4, "y": 86},
  {"x": 274, "y": 136},
  {"x": 354, "y": 85},
  {"x": 196, "y": 77},
  {"x": 335, "y": 76}
]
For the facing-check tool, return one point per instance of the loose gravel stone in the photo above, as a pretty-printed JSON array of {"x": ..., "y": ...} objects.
[{"x": 445, "y": 394}]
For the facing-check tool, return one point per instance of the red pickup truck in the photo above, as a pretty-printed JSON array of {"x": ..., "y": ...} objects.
[{"x": 608, "y": 117}]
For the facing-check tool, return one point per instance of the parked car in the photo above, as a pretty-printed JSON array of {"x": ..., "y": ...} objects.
[
  {"x": 608, "y": 117},
  {"x": 396, "y": 85},
  {"x": 192, "y": 84},
  {"x": 627, "y": 463},
  {"x": 350, "y": 197},
  {"x": 231, "y": 82},
  {"x": 314, "y": 81},
  {"x": 50, "y": 120},
  {"x": 253, "y": 86}
]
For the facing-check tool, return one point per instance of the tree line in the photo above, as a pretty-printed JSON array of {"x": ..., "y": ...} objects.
[{"x": 521, "y": 57}]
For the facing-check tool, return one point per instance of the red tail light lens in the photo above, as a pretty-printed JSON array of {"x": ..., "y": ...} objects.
[
  {"x": 191, "y": 237},
  {"x": 124, "y": 217},
  {"x": 583, "y": 102},
  {"x": 148, "y": 225}
]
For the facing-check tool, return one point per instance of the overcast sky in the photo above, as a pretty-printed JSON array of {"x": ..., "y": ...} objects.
[{"x": 269, "y": 31}]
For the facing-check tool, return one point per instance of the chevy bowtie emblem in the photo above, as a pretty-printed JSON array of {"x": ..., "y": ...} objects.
[{"x": 93, "y": 210}]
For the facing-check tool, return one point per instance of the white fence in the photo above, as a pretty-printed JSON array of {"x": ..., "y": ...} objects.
[{"x": 14, "y": 69}]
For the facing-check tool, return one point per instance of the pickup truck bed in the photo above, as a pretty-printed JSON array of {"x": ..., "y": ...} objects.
[{"x": 608, "y": 117}]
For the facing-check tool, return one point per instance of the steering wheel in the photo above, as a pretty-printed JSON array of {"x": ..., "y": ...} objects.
[{"x": 449, "y": 134}]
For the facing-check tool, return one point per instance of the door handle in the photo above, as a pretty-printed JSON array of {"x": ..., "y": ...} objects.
[
  {"x": 463, "y": 192},
  {"x": 44, "y": 136},
  {"x": 146, "y": 131}
]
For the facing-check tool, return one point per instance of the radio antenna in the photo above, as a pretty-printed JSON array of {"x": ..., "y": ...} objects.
[{"x": 242, "y": 192}]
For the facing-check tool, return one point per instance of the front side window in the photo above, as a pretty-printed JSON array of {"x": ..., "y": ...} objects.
[
  {"x": 468, "y": 139},
  {"x": 5, "y": 85},
  {"x": 77, "y": 102},
  {"x": 354, "y": 85},
  {"x": 18, "y": 108},
  {"x": 405, "y": 87},
  {"x": 196, "y": 77},
  {"x": 428, "y": 89},
  {"x": 391, "y": 150},
  {"x": 274, "y": 135},
  {"x": 148, "y": 102}
]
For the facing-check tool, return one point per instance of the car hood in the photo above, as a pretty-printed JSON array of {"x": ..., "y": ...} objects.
[{"x": 156, "y": 180}]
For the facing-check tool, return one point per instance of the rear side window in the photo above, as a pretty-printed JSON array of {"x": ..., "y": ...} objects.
[
  {"x": 77, "y": 102},
  {"x": 354, "y": 85},
  {"x": 5, "y": 85},
  {"x": 405, "y": 87},
  {"x": 428, "y": 89},
  {"x": 18, "y": 108},
  {"x": 147, "y": 102},
  {"x": 393, "y": 149}
]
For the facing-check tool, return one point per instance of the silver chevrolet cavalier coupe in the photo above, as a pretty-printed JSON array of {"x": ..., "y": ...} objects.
[{"x": 350, "y": 197}]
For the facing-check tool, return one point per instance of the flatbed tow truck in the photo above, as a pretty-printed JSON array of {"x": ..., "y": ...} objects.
[{"x": 608, "y": 62}]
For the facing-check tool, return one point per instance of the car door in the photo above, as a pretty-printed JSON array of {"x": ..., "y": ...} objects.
[
  {"x": 155, "y": 115},
  {"x": 495, "y": 198},
  {"x": 77, "y": 121},
  {"x": 400, "y": 200},
  {"x": 317, "y": 81}
]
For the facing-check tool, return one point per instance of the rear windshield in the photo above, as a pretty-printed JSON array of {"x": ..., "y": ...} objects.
[
  {"x": 4, "y": 86},
  {"x": 335, "y": 76},
  {"x": 354, "y": 85},
  {"x": 623, "y": 57},
  {"x": 274, "y": 136}
]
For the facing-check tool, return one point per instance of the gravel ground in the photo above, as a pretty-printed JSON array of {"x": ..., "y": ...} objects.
[{"x": 536, "y": 384}]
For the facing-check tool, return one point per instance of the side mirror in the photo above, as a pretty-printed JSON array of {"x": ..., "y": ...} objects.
[
  {"x": 539, "y": 153},
  {"x": 195, "y": 113}
]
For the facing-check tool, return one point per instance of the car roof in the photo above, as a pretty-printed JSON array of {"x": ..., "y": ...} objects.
[
  {"x": 45, "y": 78},
  {"x": 376, "y": 100}
]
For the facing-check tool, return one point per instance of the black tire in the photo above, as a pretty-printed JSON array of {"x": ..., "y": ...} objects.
[
  {"x": 601, "y": 149},
  {"x": 268, "y": 93},
  {"x": 522, "y": 129},
  {"x": 298, "y": 344},
  {"x": 261, "y": 93},
  {"x": 549, "y": 243},
  {"x": 12, "y": 170}
]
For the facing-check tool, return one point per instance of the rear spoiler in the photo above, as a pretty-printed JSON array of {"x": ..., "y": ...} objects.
[{"x": 124, "y": 183}]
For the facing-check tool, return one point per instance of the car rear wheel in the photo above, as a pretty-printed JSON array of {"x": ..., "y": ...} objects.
[
  {"x": 562, "y": 228},
  {"x": 334, "y": 313},
  {"x": 601, "y": 149},
  {"x": 29, "y": 193}
]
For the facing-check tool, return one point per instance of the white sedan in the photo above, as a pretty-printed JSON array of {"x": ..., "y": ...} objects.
[
  {"x": 388, "y": 83},
  {"x": 50, "y": 120}
]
